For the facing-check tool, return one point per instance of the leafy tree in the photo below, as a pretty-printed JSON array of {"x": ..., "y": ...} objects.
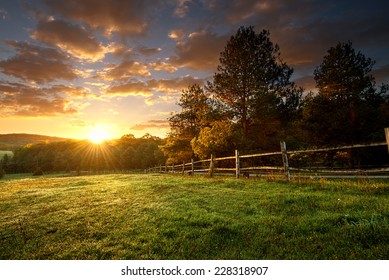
[
  {"x": 345, "y": 108},
  {"x": 197, "y": 111},
  {"x": 4, "y": 161},
  {"x": 217, "y": 140},
  {"x": 253, "y": 83}
]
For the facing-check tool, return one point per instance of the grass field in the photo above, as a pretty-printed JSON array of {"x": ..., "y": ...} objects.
[{"x": 154, "y": 216}]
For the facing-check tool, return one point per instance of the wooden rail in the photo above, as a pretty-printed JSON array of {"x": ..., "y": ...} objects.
[{"x": 208, "y": 165}]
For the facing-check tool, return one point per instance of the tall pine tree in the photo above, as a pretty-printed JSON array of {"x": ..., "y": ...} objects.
[{"x": 253, "y": 84}]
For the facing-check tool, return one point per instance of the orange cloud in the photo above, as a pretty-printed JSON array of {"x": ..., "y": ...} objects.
[
  {"x": 128, "y": 18},
  {"x": 130, "y": 88},
  {"x": 37, "y": 64},
  {"x": 167, "y": 86},
  {"x": 177, "y": 34},
  {"x": 127, "y": 69},
  {"x": 163, "y": 66},
  {"x": 175, "y": 85},
  {"x": 27, "y": 101},
  {"x": 70, "y": 38},
  {"x": 200, "y": 51}
]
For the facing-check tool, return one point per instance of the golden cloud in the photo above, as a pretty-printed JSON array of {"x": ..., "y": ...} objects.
[
  {"x": 127, "y": 69},
  {"x": 128, "y": 18},
  {"x": 177, "y": 34},
  {"x": 37, "y": 64},
  {"x": 163, "y": 66},
  {"x": 200, "y": 51},
  {"x": 167, "y": 86},
  {"x": 130, "y": 88},
  {"x": 28, "y": 101},
  {"x": 72, "y": 39}
]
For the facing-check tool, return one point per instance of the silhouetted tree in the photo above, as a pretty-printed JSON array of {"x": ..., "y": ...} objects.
[
  {"x": 347, "y": 106},
  {"x": 253, "y": 83}
]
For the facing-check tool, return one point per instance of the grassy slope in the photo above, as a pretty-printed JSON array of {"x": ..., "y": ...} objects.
[{"x": 174, "y": 217}]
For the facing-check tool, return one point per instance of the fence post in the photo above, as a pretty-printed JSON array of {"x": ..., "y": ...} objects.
[
  {"x": 285, "y": 160},
  {"x": 183, "y": 167},
  {"x": 387, "y": 136},
  {"x": 237, "y": 164},
  {"x": 192, "y": 164},
  {"x": 211, "y": 167}
]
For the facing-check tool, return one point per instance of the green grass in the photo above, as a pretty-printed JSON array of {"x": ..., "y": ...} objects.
[{"x": 175, "y": 217}]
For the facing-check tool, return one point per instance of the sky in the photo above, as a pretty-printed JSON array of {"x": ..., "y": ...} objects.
[{"x": 69, "y": 68}]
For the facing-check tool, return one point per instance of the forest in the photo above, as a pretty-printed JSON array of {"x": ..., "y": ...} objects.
[
  {"x": 126, "y": 153},
  {"x": 251, "y": 104}
]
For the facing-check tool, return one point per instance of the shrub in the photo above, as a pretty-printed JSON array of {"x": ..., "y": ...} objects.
[{"x": 38, "y": 172}]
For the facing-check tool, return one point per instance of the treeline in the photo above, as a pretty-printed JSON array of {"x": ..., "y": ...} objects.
[
  {"x": 251, "y": 104},
  {"x": 126, "y": 153}
]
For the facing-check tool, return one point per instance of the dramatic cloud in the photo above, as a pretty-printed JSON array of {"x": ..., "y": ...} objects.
[
  {"x": 200, "y": 51},
  {"x": 166, "y": 86},
  {"x": 128, "y": 18},
  {"x": 27, "y": 101},
  {"x": 74, "y": 92},
  {"x": 127, "y": 69},
  {"x": 305, "y": 31},
  {"x": 60, "y": 56},
  {"x": 130, "y": 89},
  {"x": 37, "y": 64},
  {"x": 163, "y": 66},
  {"x": 70, "y": 38},
  {"x": 175, "y": 85}
]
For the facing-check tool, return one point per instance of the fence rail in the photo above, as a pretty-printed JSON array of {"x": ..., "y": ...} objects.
[{"x": 284, "y": 170}]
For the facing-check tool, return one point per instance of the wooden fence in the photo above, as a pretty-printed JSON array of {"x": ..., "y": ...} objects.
[{"x": 232, "y": 165}]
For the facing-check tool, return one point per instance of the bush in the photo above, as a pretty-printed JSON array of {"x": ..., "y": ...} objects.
[
  {"x": 38, "y": 172},
  {"x": 2, "y": 173}
]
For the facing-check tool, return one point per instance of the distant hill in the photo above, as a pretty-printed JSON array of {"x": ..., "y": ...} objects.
[{"x": 15, "y": 140}]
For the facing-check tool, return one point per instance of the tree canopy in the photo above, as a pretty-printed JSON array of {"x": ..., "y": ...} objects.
[
  {"x": 251, "y": 103},
  {"x": 253, "y": 84},
  {"x": 347, "y": 107}
]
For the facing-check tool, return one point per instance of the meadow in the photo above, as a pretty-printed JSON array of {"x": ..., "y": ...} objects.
[{"x": 155, "y": 216}]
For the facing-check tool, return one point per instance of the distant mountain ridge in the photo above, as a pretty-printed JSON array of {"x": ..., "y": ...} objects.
[{"x": 14, "y": 140}]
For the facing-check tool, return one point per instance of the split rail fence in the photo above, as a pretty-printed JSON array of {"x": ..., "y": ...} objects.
[{"x": 232, "y": 165}]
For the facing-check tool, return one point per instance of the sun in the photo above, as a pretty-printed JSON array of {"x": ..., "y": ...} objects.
[{"x": 99, "y": 134}]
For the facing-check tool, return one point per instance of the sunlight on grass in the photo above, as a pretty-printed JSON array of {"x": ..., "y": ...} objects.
[{"x": 175, "y": 217}]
